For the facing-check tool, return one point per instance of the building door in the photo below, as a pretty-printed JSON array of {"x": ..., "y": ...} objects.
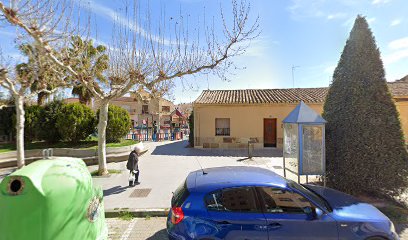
[{"x": 269, "y": 132}]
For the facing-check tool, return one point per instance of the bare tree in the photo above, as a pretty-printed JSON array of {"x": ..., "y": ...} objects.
[
  {"x": 142, "y": 53},
  {"x": 19, "y": 84}
]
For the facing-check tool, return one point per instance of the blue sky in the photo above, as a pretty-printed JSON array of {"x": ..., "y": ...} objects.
[{"x": 304, "y": 33}]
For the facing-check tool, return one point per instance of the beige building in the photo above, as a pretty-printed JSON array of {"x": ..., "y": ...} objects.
[
  {"x": 146, "y": 110},
  {"x": 230, "y": 118},
  {"x": 142, "y": 111}
]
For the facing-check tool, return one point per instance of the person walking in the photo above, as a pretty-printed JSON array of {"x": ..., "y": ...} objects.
[
  {"x": 154, "y": 137},
  {"x": 133, "y": 166}
]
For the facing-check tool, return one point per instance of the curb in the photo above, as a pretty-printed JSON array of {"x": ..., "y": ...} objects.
[
  {"x": 90, "y": 160},
  {"x": 139, "y": 213}
]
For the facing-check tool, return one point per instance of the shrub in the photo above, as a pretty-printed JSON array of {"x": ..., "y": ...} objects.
[
  {"x": 191, "y": 125},
  {"x": 118, "y": 124},
  {"x": 75, "y": 122},
  {"x": 49, "y": 130},
  {"x": 32, "y": 124},
  {"x": 7, "y": 116},
  {"x": 364, "y": 143}
]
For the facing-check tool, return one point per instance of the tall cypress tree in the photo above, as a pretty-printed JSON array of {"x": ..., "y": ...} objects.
[{"x": 365, "y": 149}]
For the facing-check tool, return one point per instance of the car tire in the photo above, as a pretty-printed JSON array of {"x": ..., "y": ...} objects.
[{"x": 376, "y": 238}]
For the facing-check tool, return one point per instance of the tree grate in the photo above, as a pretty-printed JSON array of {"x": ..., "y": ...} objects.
[{"x": 140, "y": 193}]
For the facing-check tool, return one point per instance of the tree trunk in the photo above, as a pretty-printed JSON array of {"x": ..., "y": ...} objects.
[
  {"x": 103, "y": 122},
  {"x": 19, "y": 102},
  {"x": 41, "y": 97}
]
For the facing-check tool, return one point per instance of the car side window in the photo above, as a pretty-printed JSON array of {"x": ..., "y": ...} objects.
[
  {"x": 232, "y": 200},
  {"x": 281, "y": 201}
]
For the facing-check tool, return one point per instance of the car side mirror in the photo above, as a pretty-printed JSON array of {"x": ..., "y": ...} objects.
[
  {"x": 309, "y": 213},
  {"x": 318, "y": 213},
  {"x": 313, "y": 213}
]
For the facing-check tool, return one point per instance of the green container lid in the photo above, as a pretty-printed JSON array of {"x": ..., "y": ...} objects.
[{"x": 49, "y": 200}]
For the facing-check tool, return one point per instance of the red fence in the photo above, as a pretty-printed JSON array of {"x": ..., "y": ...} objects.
[{"x": 156, "y": 137}]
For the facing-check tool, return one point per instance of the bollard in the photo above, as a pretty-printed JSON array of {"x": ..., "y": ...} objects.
[
  {"x": 250, "y": 148},
  {"x": 52, "y": 200}
]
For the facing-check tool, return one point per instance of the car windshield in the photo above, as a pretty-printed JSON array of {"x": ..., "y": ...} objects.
[{"x": 312, "y": 195}]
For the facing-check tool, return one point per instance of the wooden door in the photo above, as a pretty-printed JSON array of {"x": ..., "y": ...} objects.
[{"x": 269, "y": 132}]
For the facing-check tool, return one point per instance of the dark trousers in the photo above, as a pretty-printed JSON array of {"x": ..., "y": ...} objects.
[
  {"x": 137, "y": 176},
  {"x": 154, "y": 136}
]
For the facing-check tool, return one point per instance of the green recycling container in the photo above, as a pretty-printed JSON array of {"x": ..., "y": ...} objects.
[{"x": 51, "y": 199}]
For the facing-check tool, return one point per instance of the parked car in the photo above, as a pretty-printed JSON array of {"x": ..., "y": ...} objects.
[{"x": 255, "y": 203}]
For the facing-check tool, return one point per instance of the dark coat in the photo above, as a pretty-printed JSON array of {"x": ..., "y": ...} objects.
[{"x": 133, "y": 162}]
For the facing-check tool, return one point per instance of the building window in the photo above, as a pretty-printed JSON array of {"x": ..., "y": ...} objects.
[
  {"x": 165, "y": 108},
  {"x": 145, "y": 109},
  {"x": 222, "y": 127}
]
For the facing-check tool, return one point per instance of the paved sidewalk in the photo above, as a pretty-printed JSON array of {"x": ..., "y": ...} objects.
[{"x": 164, "y": 167}]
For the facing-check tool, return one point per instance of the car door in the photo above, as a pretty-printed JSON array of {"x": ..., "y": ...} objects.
[
  {"x": 236, "y": 214},
  {"x": 289, "y": 215}
]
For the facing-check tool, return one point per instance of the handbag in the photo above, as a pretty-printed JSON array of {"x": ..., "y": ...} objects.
[{"x": 131, "y": 177}]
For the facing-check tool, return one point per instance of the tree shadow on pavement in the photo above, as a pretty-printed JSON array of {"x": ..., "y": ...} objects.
[
  {"x": 160, "y": 235},
  {"x": 179, "y": 148},
  {"x": 114, "y": 190}
]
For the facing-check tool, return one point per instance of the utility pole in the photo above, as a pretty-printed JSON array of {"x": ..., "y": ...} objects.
[{"x": 293, "y": 74}]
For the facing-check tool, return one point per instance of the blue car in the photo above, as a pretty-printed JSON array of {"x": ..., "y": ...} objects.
[{"x": 254, "y": 203}]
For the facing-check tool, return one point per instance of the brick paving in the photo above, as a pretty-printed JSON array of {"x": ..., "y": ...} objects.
[
  {"x": 155, "y": 229},
  {"x": 137, "y": 229}
]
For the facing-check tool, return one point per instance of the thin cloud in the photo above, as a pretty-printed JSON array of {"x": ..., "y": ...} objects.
[
  {"x": 399, "y": 43},
  {"x": 396, "y": 56},
  {"x": 338, "y": 15},
  {"x": 378, "y": 2},
  {"x": 259, "y": 47},
  {"x": 395, "y": 22},
  {"x": 370, "y": 20},
  {"x": 400, "y": 51},
  {"x": 115, "y": 17},
  {"x": 300, "y": 9}
]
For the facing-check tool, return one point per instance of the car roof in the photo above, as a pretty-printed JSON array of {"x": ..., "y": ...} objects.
[{"x": 210, "y": 179}]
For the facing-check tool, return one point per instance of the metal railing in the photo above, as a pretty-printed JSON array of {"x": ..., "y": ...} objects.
[{"x": 155, "y": 137}]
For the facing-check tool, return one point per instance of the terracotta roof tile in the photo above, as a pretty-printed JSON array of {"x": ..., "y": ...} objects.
[
  {"x": 399, "y": 87},
  {"x": 292, "y": 95},
  {"x": 125, "y": 99}
]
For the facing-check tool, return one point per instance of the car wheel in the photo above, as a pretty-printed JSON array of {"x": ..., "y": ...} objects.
[{"x": 376, "y": 238}]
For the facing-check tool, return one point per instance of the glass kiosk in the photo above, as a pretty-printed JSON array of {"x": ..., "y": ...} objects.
[{"x": 304, "y": 143}]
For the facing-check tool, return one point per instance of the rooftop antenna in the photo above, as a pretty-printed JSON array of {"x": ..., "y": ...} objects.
[
  {"x": 293, "y": 74},
  {"x": 201, "y": 167}
]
